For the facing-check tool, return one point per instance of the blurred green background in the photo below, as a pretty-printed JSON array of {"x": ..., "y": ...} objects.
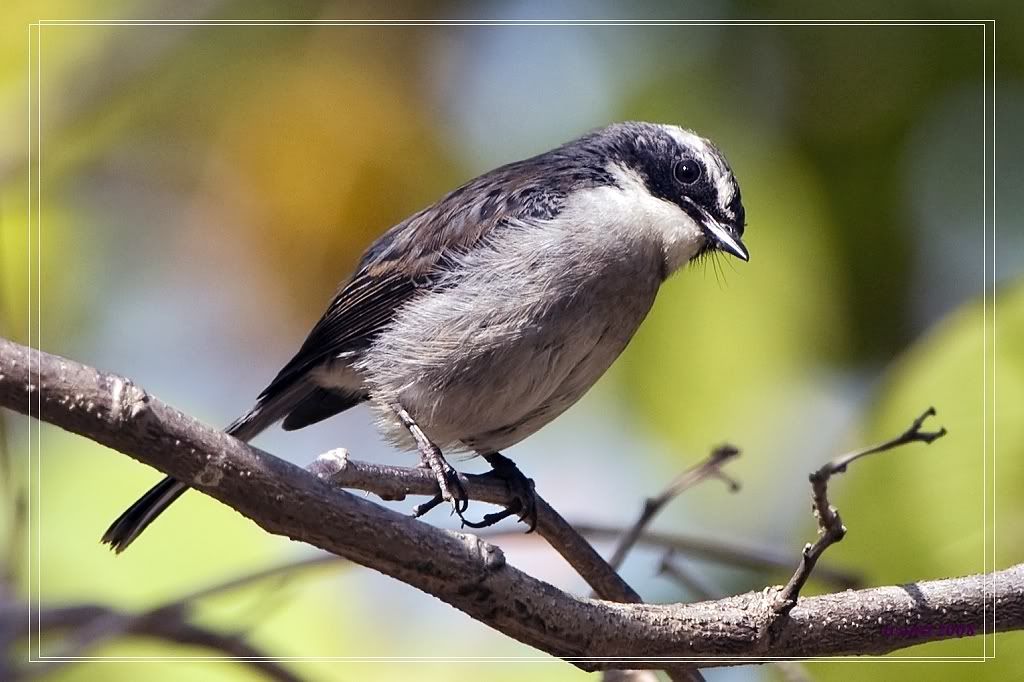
[{"x": 204, "y": 188}]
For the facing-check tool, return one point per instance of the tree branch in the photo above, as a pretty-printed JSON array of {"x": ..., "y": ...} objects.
[
  {"x": 471, "y": 574},
  {"x": 791, "y": 670},
  {"x": 395, "y": 483}
]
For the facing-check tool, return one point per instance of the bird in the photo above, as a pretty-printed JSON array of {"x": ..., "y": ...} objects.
[{"x": 481, "y": 318}]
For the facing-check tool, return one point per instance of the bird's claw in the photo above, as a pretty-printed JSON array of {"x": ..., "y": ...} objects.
[
  {"x": 450, "y": 489},
  {"x": 522, "y": 497}
]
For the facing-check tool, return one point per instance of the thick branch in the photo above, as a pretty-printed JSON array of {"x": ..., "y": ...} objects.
[{"x": 471, "y": 574}]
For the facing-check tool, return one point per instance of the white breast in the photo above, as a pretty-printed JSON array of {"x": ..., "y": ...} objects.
[
  {"x": 653, "y": 219},
  {"x": 526, "y": 325}
]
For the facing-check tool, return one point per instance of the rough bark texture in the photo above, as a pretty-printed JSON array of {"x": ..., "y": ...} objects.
[{"x": 471, "y": 574}]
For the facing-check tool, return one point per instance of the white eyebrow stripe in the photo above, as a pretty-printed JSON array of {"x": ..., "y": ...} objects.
[
  {"x": 687, "y": 138},
  {"x": 725, "y": 188}
]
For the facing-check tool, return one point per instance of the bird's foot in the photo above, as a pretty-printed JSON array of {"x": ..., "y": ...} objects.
[
  {"x": 450, "y": 488},
  {"x": 522, "y": 497}
]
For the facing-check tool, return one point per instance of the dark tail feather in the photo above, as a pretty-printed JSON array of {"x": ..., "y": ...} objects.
[{"x": 137, "y": 517}]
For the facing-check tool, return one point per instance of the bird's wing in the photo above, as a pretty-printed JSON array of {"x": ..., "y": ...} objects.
[{"x": 412, "y": 256}]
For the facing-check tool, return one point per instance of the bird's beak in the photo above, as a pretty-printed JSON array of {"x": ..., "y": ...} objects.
[{"x": 726, "y": 239}]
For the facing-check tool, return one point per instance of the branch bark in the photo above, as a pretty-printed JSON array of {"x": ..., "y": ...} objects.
[
  {"x": 395, "y": 483},
  {"x": 471, "y": 574}
]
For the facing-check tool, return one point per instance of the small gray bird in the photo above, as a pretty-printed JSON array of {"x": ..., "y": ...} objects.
[{"x": 473, "y": 323}]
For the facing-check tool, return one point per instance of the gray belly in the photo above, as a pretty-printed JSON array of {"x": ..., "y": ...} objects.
[{"x": 499, "y": 352}]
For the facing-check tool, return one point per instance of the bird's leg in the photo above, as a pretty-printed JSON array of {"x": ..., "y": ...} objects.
[
  {"x": 430, "y": 455},
  {"x": 523, "y": 498}
]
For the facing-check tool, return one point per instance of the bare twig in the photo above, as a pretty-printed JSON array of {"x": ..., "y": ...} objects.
[
  {"x": 711, "y": 467},
  {"x": 686, "y": 578},
  {"x": 721, "y": 551},
  {"x": 472, "y": 575},
  {"x": 830, "y": 526}
]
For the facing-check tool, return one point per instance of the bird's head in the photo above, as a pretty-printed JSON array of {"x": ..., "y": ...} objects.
[{"x": 681, "y": 185}]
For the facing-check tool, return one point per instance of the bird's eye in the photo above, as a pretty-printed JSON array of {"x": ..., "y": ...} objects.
[{"x": 687, "y": 171}]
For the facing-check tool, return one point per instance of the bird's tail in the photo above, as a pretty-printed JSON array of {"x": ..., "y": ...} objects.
[{"x": 136, "y": 518}]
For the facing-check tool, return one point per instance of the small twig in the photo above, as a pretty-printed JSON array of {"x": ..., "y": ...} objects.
[
  {"x": 685, "y": 578},
  {"x": 830, "y": 526},
  {"x": 709, "y": 468},
  {"x": 719, "y": 551}
]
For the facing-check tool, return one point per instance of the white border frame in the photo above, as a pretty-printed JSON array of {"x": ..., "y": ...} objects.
[{"x": 35, "y": 297}]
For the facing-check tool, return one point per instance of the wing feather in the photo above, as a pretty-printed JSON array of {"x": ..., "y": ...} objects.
[{"x": 413, "y": 256}]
